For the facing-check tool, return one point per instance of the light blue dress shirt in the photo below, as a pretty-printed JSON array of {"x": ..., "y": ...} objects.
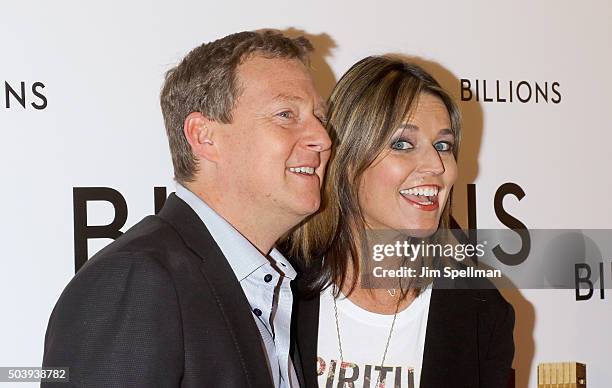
[{"x": 265, "y": 282}]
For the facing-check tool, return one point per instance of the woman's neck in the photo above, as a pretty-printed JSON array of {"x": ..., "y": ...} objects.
[{"x": 377, "y": 300}]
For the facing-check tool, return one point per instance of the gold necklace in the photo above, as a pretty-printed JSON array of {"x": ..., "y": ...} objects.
[{"x": 382, "y": 363}]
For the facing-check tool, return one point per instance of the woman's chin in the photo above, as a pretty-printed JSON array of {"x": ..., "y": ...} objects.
[{"x": 422, "y": 231}]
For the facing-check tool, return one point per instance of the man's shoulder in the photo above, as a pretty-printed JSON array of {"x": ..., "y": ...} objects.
[
  {"x": 149, "y": 235},
  {"x": 145, "y": 250},
  {"x": 123, "y": 302}
]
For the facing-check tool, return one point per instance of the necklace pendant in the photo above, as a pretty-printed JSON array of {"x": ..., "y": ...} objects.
[{"x": 392, "y": 292}]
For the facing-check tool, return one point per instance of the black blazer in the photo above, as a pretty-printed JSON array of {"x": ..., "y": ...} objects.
[
  {"x": 159, "y": 307},
  {"x": 468, "y": 342}
]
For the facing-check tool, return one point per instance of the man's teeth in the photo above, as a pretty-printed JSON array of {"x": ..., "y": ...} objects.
[
  {"x": 303, "y": 170},
  {"x": 424, "y": 191}
]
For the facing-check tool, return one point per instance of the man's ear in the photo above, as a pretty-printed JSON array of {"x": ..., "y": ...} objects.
[{"x": 199, "y": 131}]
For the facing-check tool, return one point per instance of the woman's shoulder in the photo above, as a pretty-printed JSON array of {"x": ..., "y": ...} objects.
[{"x": 479, "y": 293}]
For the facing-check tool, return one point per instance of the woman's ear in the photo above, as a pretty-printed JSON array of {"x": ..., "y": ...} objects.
[{"x": 199, "y": 131}]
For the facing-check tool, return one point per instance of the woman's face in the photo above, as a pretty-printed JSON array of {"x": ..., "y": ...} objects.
[{"x": 408, "y": 184}]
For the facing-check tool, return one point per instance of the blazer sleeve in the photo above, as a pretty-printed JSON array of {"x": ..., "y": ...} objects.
[
  {"x": 497, "y": 343},
  {"x": 117, "y": 323}
]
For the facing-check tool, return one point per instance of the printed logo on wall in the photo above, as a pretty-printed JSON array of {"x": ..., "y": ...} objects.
[
  {"x": 482, "y": 90},
  {"x": 586, "y": 278},
  {"x": 565, "y": 249},
  {"x": 24, "y": 95},
  {"x": 84, "y": 232}
]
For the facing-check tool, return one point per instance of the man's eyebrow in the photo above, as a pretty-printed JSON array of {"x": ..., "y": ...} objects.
[
  {"x": 288, "y": 97},
  {"x": 320, "y": 108}
]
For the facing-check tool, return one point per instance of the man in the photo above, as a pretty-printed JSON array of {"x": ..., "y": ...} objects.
[{"x": 197, "y": 296}]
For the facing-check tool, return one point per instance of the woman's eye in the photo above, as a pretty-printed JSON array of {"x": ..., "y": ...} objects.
[
  {"x": 443, "y": 146},
  {"x": 401, "y": 145}
]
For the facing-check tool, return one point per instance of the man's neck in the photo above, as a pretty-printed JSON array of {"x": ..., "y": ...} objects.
[{"x": 262, "y": 229}]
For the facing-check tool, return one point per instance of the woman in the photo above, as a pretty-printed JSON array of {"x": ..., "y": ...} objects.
[{"x": 396, "y": 134}]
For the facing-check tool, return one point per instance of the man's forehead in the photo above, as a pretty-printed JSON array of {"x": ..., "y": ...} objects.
[
  {"x": 276, "y": 80},
  {"x": 319, "y": 104}
]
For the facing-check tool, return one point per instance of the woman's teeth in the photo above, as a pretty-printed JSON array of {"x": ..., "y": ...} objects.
[
  {"x": 423, "y": 191},
  {"x": 422, "y": 195}
]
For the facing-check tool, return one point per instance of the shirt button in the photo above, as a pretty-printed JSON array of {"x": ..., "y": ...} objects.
[
  {"x": 257, "y": 312},
  {"x": 267, "y": 278}
]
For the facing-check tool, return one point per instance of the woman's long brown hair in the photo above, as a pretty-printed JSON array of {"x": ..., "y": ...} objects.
[{"x": 366, "y": 107}]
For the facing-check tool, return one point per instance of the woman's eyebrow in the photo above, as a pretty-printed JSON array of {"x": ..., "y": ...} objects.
[
  {"x": 408, "y": 126},
  {"x": 413, "y": 128},
  {"x": 446, "y": 132}
]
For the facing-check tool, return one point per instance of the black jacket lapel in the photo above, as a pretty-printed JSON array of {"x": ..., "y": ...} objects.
[
  {"x": 450, "y": 357},
  {"x": 305, "y": 333},
  {"x": 230, "y": 298}
]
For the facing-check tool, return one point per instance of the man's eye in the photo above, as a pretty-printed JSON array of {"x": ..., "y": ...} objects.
[
  {"x": 443, "y": 146},
  {"x": 401, "y": 145},
  {"x": 286, "y": 114}
]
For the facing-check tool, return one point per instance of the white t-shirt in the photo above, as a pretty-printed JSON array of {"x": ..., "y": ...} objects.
[{"x": 364, "y": 336}]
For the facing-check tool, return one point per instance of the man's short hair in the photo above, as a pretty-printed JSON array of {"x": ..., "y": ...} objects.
[{"x": 205, "y": 82}]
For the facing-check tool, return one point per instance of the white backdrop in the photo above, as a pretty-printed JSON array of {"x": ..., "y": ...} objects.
[{"x": 102, "y": 64}]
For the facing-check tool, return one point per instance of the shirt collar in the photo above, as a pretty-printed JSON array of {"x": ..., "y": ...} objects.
[{"x": 241, "y": 255}]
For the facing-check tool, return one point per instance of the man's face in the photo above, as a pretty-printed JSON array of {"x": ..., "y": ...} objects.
[{"x": 273, "y": 154}]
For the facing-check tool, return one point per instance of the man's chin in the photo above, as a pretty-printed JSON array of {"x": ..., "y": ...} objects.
[{"x": 304, "y": 208}]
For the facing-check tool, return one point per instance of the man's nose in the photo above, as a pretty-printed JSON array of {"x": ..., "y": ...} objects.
[{"x": 318, "y": 139}]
